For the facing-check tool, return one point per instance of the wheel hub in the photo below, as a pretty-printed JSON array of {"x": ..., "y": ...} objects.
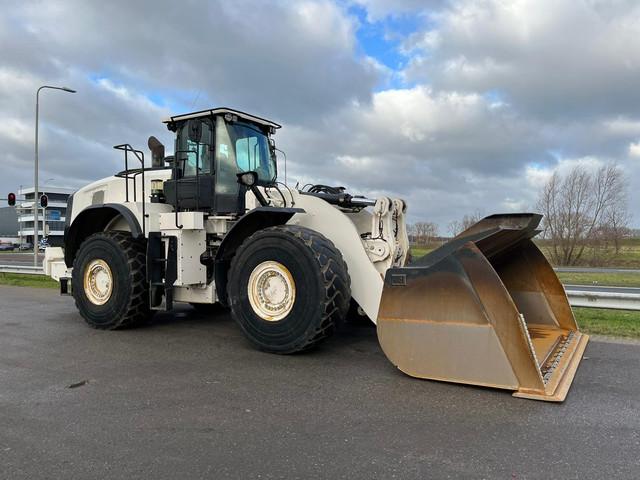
[
  {"x": 271, "y": 291},
  {"x": 98, "y": 282}
]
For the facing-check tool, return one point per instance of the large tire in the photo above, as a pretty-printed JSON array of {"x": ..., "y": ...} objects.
[
  {"x": 127, "y": 303},
  {"x": 319, "y": 280}
]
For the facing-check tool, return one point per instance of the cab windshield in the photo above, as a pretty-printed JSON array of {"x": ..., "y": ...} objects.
[{"x": 242, "y": 147}]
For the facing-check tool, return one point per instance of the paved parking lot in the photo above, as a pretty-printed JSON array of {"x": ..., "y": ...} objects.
[{"x": 186, "y": 397}]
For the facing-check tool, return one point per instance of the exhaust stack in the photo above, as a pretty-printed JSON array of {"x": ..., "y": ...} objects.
[{"x": 484, "y": 309}]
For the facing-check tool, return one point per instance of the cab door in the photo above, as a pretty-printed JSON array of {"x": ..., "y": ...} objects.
[{"x": 192, "y": 186}]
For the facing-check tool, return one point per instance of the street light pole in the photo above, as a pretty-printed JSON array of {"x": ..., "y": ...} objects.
[{"x": 35, "y": 174}]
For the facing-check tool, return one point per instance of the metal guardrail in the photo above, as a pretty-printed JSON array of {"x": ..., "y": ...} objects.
[
  {"x": 612, "y": 300},
  {"x": 577, "y": 298},
  {"x": 24, "y": 269},
  {"x": 595, "y": 270}
]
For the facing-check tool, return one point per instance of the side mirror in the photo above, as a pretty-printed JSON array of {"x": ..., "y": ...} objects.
[{"x": 247, "y": 179}]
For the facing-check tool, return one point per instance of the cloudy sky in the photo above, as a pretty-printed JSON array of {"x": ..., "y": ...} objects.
[{"x": 458, "y": 106}]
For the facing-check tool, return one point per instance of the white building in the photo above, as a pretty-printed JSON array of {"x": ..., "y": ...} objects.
[
  {"x": 55, "y": 214},
  {"x": 8, "y": 226}
]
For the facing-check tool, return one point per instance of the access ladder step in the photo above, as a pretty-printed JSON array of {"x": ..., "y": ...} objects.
[{"x": 161, "y": 270}]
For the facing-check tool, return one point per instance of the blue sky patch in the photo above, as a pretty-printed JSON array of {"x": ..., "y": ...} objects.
[{"x": 383, "y": 39}]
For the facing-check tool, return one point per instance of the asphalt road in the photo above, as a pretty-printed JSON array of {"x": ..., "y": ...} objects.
[{"x": 186, "y": 397}]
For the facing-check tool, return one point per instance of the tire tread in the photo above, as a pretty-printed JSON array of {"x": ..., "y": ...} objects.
[
  {"x": 137, "y": 310},
  {"x": 334, "y": 274}
]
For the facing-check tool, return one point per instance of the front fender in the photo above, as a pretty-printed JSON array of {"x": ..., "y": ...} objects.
[{"x": 251, "y": 222}]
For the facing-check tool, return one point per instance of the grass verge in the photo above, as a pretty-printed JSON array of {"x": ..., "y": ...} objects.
[
  {"x": 616, "y": 323},
  {"x": 608, "y": 279},
  {"x": 21, "y": 280},
  {"x": 627, "y": 257},
  {"x": 417, "y": 252}
]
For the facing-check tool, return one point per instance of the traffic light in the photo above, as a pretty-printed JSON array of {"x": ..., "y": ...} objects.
[
  {"x": 44, "y": 200},
  {"x": 11, "y": 199}
]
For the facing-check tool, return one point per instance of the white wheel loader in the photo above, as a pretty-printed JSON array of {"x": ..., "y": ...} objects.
[{"x": 211, "y": 224}]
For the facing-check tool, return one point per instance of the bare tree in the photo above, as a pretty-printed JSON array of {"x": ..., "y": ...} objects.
[
  {"x": 425, "y": 232},
  {"x": 412, "y": 233},
  {"x": 419, "y": 231},
  {"x": 431, "y": 232},
  {"x": 579, "y": 206},
  {"x": 458, "y": 226},
  {"x": 617, "y": 224}
]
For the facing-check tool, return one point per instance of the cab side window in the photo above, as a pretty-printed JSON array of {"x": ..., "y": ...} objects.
[
  {"x": 252, "y": 152},
  {"x": 246, "y": 154},
  {"x": 198, "y": 153}
]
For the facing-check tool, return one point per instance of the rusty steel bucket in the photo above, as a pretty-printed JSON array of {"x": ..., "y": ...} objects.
[{"x": 484, "y": 309}]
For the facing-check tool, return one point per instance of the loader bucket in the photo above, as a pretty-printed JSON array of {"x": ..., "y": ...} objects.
[{"x": 484, "y": 309}]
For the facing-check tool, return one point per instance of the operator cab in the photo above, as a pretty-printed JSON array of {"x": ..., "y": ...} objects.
[{"x": 211, "y": 148}]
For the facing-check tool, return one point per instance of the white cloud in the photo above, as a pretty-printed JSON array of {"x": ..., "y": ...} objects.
[
  {"x": 537, "y": 176},
  {"x": 554, "y": 58},
  {"x": 289, "y": 61},
  {"x": 513, "y": 205},
  {"x": 622, "y": 126},
  {"x": 325, "y": 24},
  {"x": 447, "y": 153},
  {"x": 499, "y": 93},
  {"x": 16, "y": 130},
  {"x": 565, "y": 165}
]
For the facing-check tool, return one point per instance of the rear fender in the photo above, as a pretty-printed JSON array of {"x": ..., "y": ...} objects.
[{"x": 96, "y": 218}]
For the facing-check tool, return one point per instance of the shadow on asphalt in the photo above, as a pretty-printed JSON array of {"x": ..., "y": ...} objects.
[{"x": 355, "y": 333}]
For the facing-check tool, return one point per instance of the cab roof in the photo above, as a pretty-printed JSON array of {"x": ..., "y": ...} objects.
[{"x": 222, "y": 111}]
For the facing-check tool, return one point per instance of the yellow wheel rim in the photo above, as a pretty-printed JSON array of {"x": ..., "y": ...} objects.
[
  {"x": 98, "y": 282},
  {"x": 271, "y": 291}
]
